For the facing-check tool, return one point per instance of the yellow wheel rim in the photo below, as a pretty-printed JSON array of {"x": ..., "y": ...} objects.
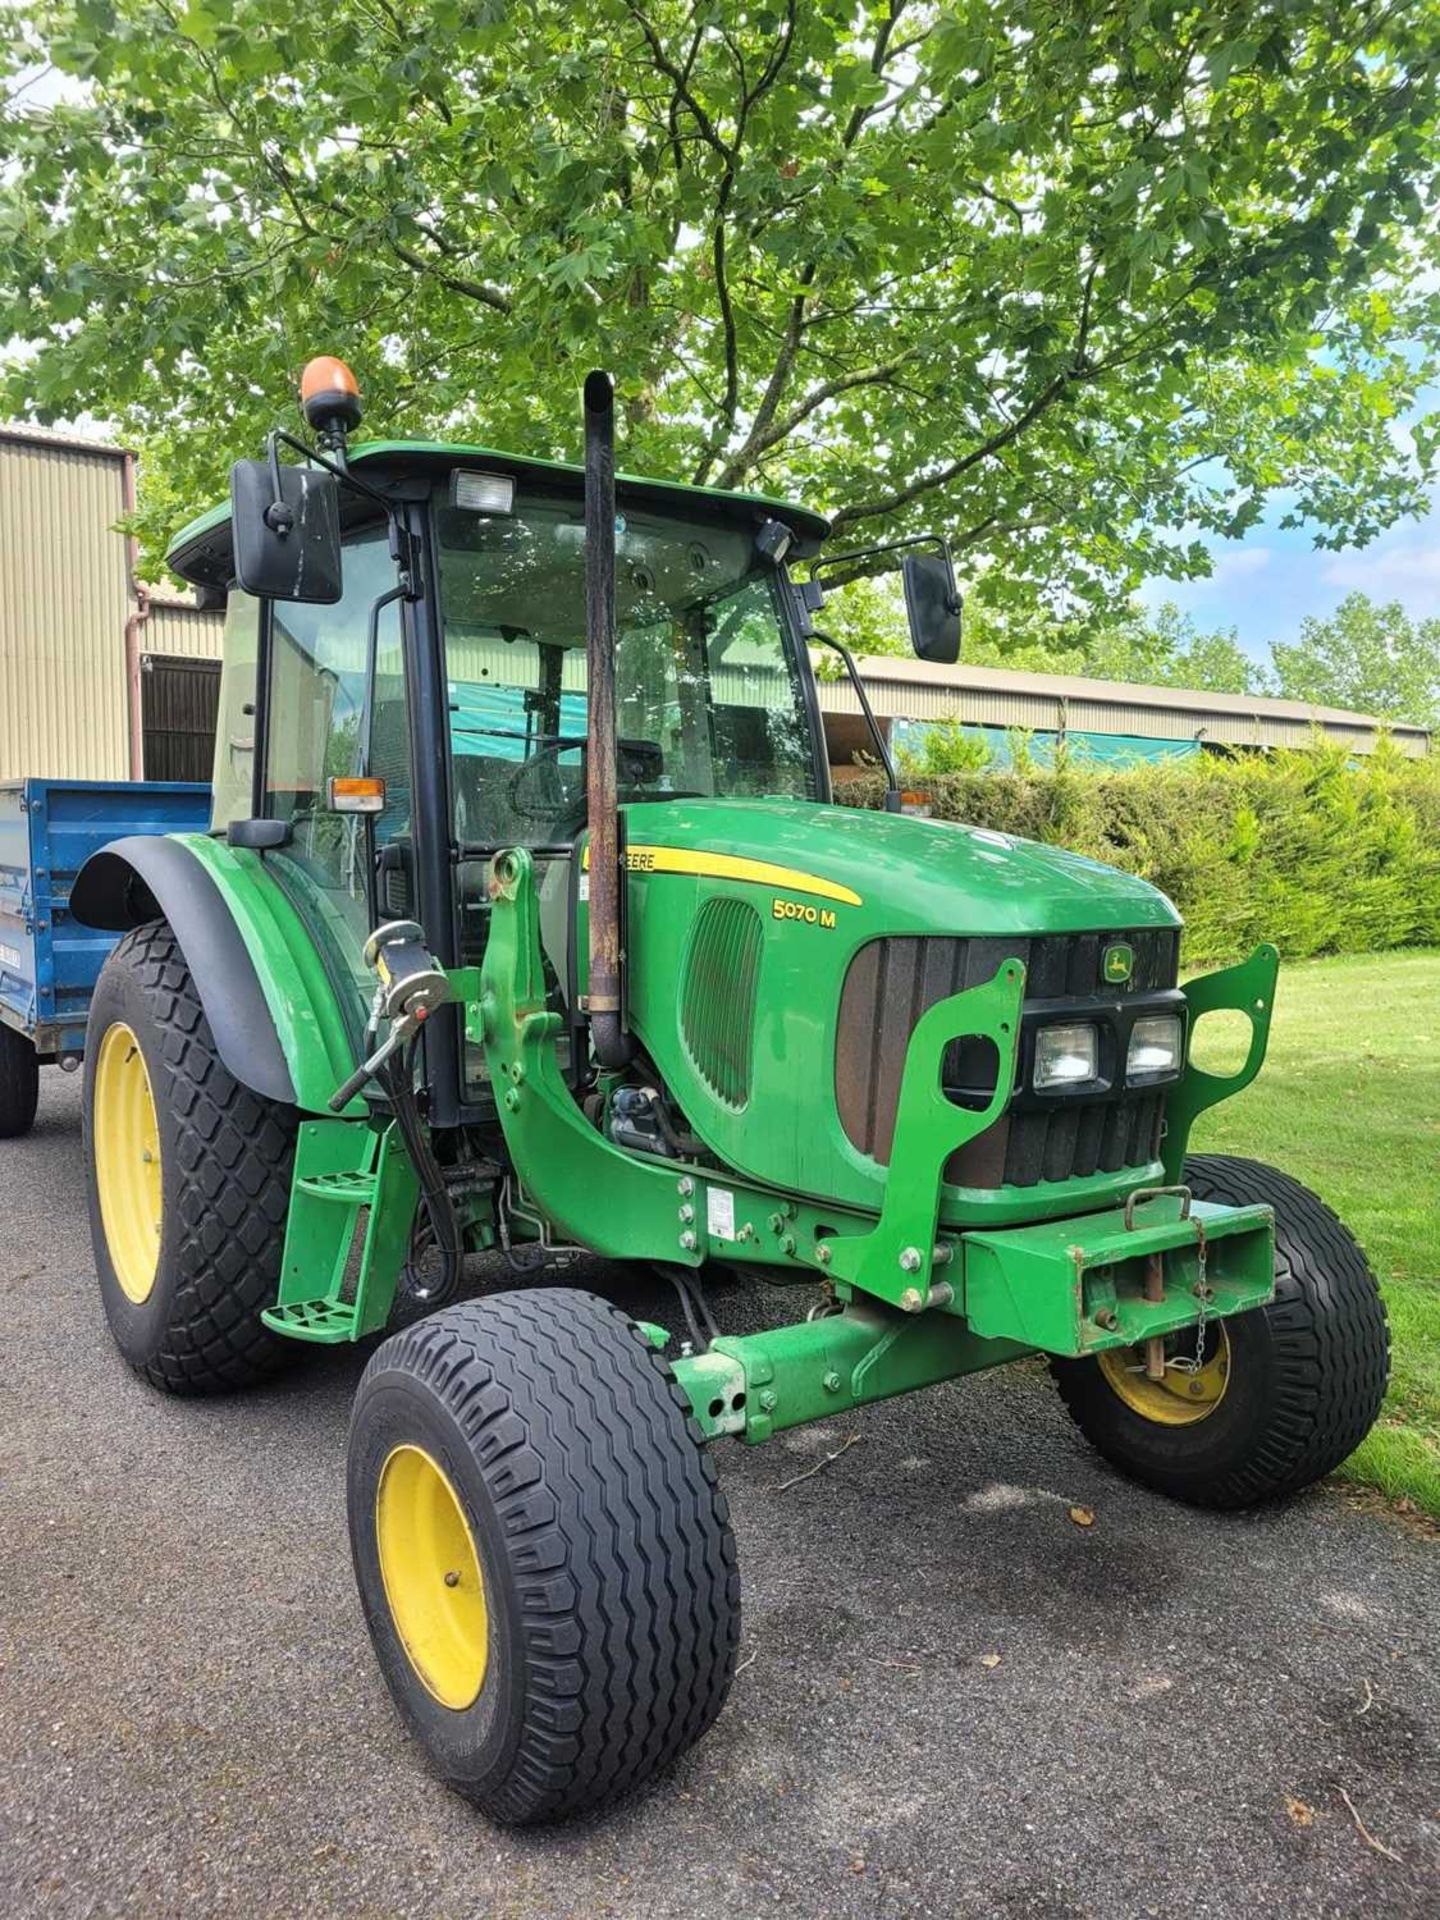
[
  {"x": 127, "y": 1162},
  {"x": 431, "y": 1573},
  {"x": 1182, "y": 1398}
]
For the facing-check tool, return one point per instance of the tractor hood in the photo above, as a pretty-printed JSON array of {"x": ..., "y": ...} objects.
[
  {"x": 891, "y": 872},
  {"x": 780, "y": 953}
]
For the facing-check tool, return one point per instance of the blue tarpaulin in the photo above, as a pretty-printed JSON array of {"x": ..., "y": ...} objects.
[
  {"x": 1097, "y": 749},
  {"x": 490, "y": 721}
]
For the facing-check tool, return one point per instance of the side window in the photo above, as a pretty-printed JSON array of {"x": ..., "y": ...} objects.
[
  {"x": 320, "y": 726},
  {"x": 761, "y": 736},
  {"x": 233, "y": 778}
]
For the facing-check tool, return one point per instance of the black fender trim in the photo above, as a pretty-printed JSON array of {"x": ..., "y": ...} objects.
[{"x": 149, "y": 877}]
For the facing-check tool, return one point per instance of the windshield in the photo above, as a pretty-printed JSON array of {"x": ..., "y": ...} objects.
[{"x": 708, "y": 700}]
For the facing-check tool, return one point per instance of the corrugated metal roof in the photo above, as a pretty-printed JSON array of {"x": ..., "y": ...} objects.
[
  {"x": 1053, "y": 702},
  {"x": 24, "y": 435}
]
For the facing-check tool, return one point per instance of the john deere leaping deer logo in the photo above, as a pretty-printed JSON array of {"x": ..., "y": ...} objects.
[{"x": 1119, "y": 964}]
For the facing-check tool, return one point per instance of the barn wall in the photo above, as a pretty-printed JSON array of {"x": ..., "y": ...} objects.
[{"x": 64, "y": 601}]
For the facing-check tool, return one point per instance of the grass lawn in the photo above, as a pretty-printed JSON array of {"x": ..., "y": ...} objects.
[{"x": 1349, "y": 1102}]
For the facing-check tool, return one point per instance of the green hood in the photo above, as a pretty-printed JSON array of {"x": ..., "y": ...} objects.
[{"x": 919, "y": 876}]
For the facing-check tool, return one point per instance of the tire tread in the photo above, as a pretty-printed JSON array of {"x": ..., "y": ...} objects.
[
  {"x": 1328, "y": 1322},
  {"x": 235, "y": 1153},
  {"x": 19, "y": 1083},
  {"x": 616, "y": 1531}
]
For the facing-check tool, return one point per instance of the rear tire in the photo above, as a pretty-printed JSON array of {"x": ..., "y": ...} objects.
[
  {"x": 19, "y": 1084},
  {"x": 543, "y": 1553},
  {"x": 197, "y": 1246},
  {"x": 1306, "y": 1374}
]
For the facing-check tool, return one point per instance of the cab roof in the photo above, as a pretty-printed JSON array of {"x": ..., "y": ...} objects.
[{"x": 201, "y": 551}]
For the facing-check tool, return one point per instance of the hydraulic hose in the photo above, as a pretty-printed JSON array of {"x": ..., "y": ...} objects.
[{"x": 399, "y": 1078}]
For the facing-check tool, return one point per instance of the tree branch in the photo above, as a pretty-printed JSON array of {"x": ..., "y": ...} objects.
[
  {"x": 928, "y": 482},
  {"x": 760, "y": 443},
  {"x": 758, "y": 440},
  {"x": 480, "y": 290},
  {"x": 1078, "y": 368},
  {"x": 730, "y": 406},
  {"x": 679, "y": 79}
]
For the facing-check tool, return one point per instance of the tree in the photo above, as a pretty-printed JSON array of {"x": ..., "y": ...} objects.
[
  {"x": 1076, "y": 282},
  {"x": 1372, "y": 659},
  {"x": 1166, "y": 649}
]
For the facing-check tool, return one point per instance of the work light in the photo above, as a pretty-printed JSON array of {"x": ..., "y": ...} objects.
[
  {"x": 482, "y": 492},
  {"x": 1156, "y": 1046},
  {"x": 1065, "y": 1056}
]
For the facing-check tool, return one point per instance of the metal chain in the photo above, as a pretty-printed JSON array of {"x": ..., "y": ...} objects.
[
  {"x": 1202, "y": 1291},
  {"x": 1196, "y": 1361}
]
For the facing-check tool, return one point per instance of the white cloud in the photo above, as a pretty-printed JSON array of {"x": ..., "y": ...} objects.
[
  {"x": 1403, "y": 565},
  {"x": 1241, "y": 564},
  {"x": 1229, "y": 570}
]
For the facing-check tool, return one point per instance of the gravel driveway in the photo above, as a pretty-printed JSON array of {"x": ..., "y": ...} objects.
[{"x": 954, "y": 1700}]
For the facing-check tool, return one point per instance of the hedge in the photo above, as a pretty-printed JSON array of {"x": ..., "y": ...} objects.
[{"x": 1308, "y": 849}]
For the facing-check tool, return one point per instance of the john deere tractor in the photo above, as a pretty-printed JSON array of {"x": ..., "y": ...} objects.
[{"x": 526, "y": 925}]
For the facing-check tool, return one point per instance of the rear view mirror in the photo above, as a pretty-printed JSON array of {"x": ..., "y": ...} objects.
[
  {"x": 932, "y": 606},
  {"x": 286, "y": 548}
]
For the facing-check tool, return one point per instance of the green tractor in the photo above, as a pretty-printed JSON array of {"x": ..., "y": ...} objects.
[{"x": 525, "y": 925}]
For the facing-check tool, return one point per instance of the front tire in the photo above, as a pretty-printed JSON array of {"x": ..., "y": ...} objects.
[
  {"x": 1288, "y": 1390},
  {"x": 19, "y": 1084},
  {"x": 189, "y": 1179},
  {"x": 542, "y": 1551}
]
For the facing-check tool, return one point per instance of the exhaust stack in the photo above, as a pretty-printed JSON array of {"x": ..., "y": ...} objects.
[{"x": 605, "y": 997}]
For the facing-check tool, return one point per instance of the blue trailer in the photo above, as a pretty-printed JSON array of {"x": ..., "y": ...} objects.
[{"x": 49, "y": 962}]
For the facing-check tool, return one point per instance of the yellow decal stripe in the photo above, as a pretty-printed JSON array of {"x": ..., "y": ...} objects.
[{"x": 730, "y": 866}]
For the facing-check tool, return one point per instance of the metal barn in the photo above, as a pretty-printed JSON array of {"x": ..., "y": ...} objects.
[{"x": 100, "y": 678}]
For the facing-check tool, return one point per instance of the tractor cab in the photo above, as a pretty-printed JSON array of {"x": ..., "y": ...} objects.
[
  {"x": 382, "y": 744},
  {"x": 419, "y": 699}
]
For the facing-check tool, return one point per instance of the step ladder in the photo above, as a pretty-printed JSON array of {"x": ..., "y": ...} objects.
[{"x": 352, "y": 1208}]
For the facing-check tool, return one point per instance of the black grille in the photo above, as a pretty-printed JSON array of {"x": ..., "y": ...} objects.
[
  {"x": 1071, "y": 1141},
  {"x": 892, "y": 982}
]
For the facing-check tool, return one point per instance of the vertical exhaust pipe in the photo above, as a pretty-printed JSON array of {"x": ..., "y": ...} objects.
[{"x": 605, "y": 1000}]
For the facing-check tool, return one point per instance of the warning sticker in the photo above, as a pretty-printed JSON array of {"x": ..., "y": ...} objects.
[{"x": 720, "y": 1213}]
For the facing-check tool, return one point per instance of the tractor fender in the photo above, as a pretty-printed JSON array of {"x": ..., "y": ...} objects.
[{"x": 277, "y": 1024}]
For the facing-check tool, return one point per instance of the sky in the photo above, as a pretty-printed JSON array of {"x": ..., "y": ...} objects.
[{"x": 1265, "y": 584}]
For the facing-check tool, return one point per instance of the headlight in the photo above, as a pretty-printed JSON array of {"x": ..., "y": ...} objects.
[
  {"x": 1065, "y": 1056},
  {"x": 1156, "y": 1046}
]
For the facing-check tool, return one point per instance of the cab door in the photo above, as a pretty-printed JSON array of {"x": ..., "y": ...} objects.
[{"x": 319, "y": 725}]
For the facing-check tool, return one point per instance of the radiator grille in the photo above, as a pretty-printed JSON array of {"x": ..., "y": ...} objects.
[
  {"x": 889, "y": 985},
  {"x": 717, "y": 1002}
]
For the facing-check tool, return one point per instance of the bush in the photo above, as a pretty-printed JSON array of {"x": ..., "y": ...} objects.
[{"x": 1308, "y": 849}]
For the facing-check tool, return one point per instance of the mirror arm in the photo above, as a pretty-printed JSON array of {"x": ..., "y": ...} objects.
[
  {"x": 279, "y": 516},
  {"x": 892, "y": 784},
  {"x": 278, "y": 510},
  {"x": 829, "y": 561},
  {"x": 313, "y": 454}
]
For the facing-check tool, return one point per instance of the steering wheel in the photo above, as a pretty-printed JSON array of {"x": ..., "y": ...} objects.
[{"x": 637, "y": 762}]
